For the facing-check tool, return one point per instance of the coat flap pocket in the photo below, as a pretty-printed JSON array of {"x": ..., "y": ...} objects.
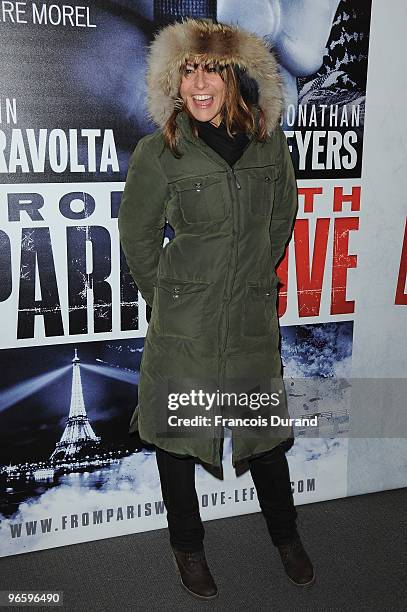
[
  {"x": 267, "y": 174},
  {"x": 176, "y": 286},
  {"x": 196, "y": 183},
  {"x": 262, "y": 289}
]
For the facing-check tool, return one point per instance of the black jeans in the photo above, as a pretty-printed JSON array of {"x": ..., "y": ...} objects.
[{"x": 271, "y": 478}]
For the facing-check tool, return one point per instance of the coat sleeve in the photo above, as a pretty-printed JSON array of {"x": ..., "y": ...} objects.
[
  {"x": 285, "y": 200},
  {"x": 142, "y": 218}
]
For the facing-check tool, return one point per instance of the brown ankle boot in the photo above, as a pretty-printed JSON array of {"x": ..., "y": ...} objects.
[
  {"x": 196, "y": 577},
  {"x": 296, "y": 562}
]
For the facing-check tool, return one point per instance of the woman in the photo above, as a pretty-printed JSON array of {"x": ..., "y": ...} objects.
[{"x": 219, "y": 169}]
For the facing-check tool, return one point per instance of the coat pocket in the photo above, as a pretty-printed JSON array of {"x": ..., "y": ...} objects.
[
  {"x": 262, "y": 187},
  {"x": 201, "y": 199},
  {"x": 260, "y": 308},
  {"x": 180, "y": 307}
]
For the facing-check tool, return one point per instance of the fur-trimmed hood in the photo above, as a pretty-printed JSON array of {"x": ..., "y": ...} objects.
[{"x": 203, "y": 39}]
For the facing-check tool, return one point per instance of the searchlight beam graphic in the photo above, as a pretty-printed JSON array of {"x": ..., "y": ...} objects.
[
  {"x": 18, "y": 392},
  {"x": 114, "y": 371}
]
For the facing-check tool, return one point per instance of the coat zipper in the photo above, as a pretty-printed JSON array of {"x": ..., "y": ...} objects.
[
  {"x": 235, "y": 177},
  {"x": 221, "y": 355},
  {"x": 222, "y": 352},
  {"x": 227, "y": 303}
]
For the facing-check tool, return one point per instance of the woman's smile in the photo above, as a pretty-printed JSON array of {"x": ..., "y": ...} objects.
[{"x": 202, "y": 101}]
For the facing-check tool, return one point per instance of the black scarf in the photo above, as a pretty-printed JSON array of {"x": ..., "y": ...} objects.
[{"x": 219, "y": 140}]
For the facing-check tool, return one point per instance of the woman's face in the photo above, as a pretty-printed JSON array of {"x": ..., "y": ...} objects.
[{"x": 203, "y": 92}]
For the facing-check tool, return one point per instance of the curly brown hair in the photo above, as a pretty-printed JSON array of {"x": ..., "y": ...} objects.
[{"x": 237, "y": 113}]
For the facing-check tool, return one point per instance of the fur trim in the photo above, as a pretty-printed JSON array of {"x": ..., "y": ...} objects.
[{"x": 206, "y": 40}]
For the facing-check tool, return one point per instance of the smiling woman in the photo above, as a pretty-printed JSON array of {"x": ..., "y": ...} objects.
[
  {"x": 231, "y": 200},
  {"x": 203, "y": 91},
  {"x": 213, "y": 92}
]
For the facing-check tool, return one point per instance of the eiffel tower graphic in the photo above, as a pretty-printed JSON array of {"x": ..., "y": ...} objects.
[{"x": 78, "y": 431}]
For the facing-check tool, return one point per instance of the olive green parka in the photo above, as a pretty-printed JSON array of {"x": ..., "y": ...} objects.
[{"x": 213, "y": 287}]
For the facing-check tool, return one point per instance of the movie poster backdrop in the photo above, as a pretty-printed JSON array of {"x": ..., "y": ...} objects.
[{"x": 72, "y": 109}]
